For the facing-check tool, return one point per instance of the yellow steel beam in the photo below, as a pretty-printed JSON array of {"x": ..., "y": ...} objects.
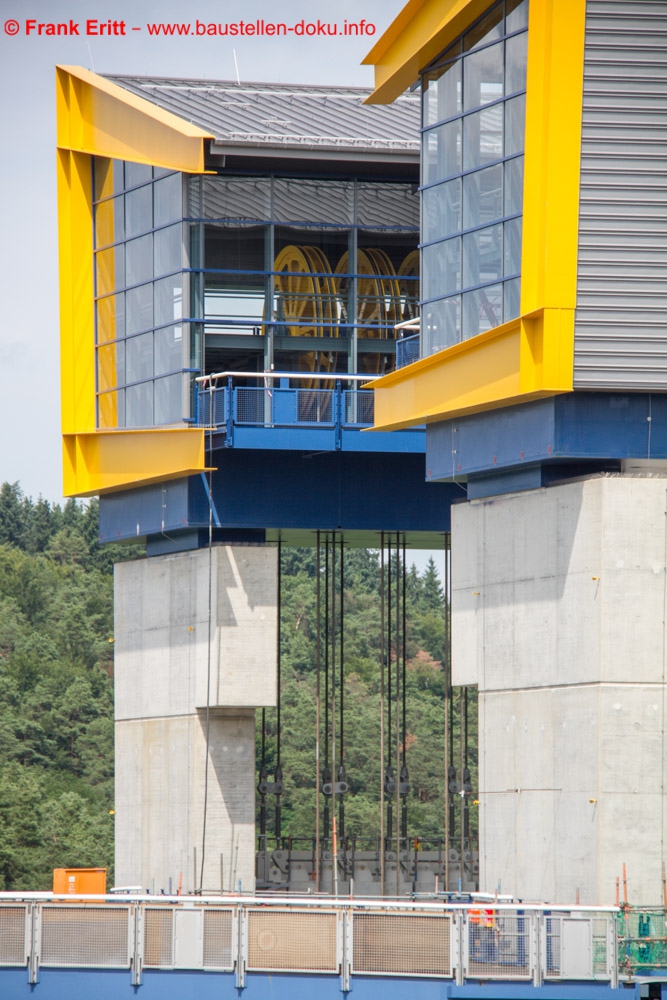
[
  {"x": 75, "y": 247},
  {"x": 534, "y": 355},
  {"x": 506, "y": 365},
  {"x": 419, "y": 33},
  {"x": 98, "y": 117},
  {"x": 554, "y": 93},
  {"x": 107, "y": 461}
]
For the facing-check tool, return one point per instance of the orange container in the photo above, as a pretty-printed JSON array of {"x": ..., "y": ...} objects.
[{"x": 80, "y": 881}]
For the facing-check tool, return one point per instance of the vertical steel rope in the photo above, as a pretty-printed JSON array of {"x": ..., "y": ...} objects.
[
  {"x": 208, "y": 644},
  {"x": 278, "y": 773},
  {"x": 382, "y": 710},
  {"x": 317, "y": 719},
  {"x": 398, "y": 718}
]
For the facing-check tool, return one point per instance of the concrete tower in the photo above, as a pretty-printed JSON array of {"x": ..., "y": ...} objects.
[{"x": 543, "y": 384}]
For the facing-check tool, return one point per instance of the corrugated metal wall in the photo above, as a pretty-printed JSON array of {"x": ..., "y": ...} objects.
[{"x": 621, "y": 317}]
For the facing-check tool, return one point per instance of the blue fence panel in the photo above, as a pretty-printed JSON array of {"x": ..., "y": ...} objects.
[{"x": 407, "y": 350}]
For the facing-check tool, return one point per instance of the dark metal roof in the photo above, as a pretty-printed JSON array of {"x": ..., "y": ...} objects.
[{"x": 323, "y": 121}]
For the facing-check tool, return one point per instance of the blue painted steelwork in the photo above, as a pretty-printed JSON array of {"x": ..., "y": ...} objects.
[
  {"x": 577, "y": 432},
  {"x": 106, "y": 984},
  {"x": 295, "y": 418},
  {"x": 258, "y": 490}
]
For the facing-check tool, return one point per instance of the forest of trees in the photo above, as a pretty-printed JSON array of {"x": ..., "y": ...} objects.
[{"x": 56, "y": 692}]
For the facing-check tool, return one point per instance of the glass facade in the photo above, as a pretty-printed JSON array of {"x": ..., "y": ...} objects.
[
  {"x": 302, "y": 274},
  {"x": 473, "y": 124},
  {"x": 234, "y": 273},
  {"x": 143, "y": 367}
]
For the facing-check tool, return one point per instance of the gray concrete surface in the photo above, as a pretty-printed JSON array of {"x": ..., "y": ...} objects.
[
  {"x": 161, "y": 670},
  {"x": 558, "y": 615}
]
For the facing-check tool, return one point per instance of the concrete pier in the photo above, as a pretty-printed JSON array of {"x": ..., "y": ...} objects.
[
  {"x": 173, "y": 678},
  {"x": 558, "y": 615}
]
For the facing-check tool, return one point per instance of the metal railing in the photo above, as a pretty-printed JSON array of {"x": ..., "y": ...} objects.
[
  {"x": 282, "y": 402},
  {"x": 407, "y": 350},
  {"x": 311, "y": 935}
]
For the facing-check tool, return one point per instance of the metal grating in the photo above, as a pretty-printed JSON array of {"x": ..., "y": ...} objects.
[
  {"x": 314, "y": 406},
  {"x": 158, "y": 937},
  {"x": 359, "y": 406},
  {"x": 600, "y": 928},
  {"x": 12, "y": 935},
  {"x": 407, "y": 944},
  {"x": 85, "y": 936},
  {"x": 498, "y": 945},
  {"x": 218, "y": 939},
  {"x": 253, "y": 406},
  {"x": 292, "y": 941},
  {"x": 553, "y": 947},
  {"x": 407, "y": 350},
  {"x": 218, "y": 397}
]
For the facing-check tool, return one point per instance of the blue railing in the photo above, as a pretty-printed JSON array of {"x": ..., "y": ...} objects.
[
  {"x": 227, "y": 406},
  {"x": 407, "y": 350}
]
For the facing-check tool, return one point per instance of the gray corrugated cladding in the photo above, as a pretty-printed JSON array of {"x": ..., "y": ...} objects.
[
  {"x": 286, "y": 116},
  {"x": 621, "y": 317}
]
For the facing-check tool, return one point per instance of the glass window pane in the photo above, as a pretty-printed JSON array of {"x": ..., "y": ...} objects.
[
  {"x": 110, "y": 366},
  {"x": 139, "y": 307},
  {"x": 110, "y": 271},
  {"x": 168, "y": 349},
  {"x": 511, "y": 299},
  {"x": 111, "y": 409},
  {"x": 312, "y": 201},
  {"x": 441, "y": 324},
  {"x": 168, "y": 299},
  {"x": 486, "y": 30},
  {"x": 516, "y": 15},
  {"x": 231, "y": 198},
  {"x": 387, "y": 205},
  {"x": 110, "y": 318},
  {"x": 442, "y": 93},
  {"x": 139, "y": 405},
  {"x": 482, "y": 256},
  {"x": 515, "y": 125},
  {"x": 139, "y": 357},
  {"x": 138, "y": 211},
  {"x": 483, "y": 77},
  {"x": 441, "y": 152},
  {"x": 441, "y": 210},
  {"x": 137, "y": 173},
  {"x": 139, "y": 260},
  {"x": 516, "y": 60},
  {"x": 441, "y": 268},
  {"x": 482, "y": 310},
  {"x": 168, "y": 249},
  {"x": 512, "y": 246},
  {"x": 109, "y": 227},
  {"x": 483, "y": 137},
  {"x": 168, "y": 199},
  {"x": 483, "y": 197},
  {"x": 102, "y": 178},
  {"x": 169, "y": 399},
  {"x": 514, "y": 186}
]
